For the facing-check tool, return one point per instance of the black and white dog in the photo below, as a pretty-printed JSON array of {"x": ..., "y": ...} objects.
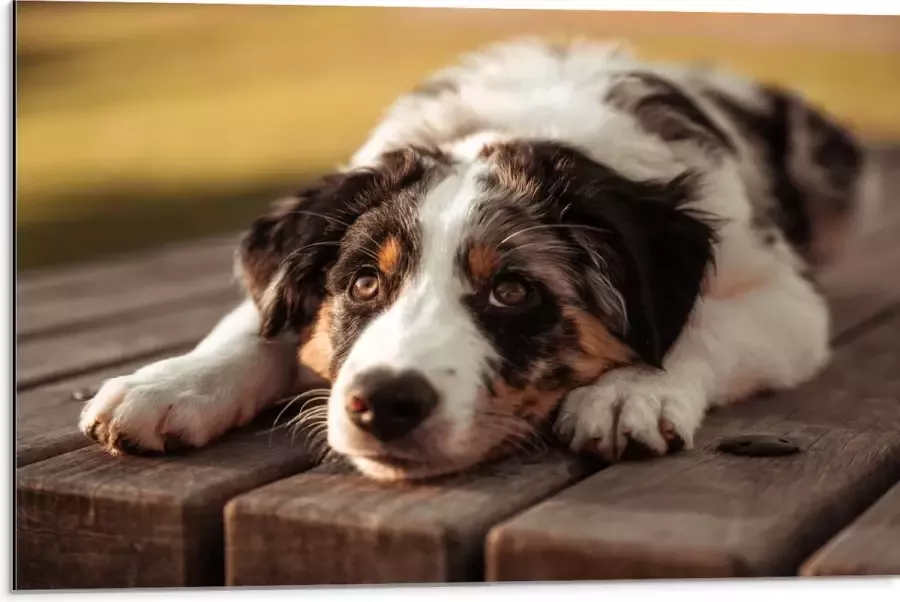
[{"x": 539, "y": 233}]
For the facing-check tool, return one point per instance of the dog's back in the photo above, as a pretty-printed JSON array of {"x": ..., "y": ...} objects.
[{"x": 803, "y": 172}]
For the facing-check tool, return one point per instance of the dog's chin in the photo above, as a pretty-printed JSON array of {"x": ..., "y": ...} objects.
[
  {"x": 446, "y": 452},
  {"x": 391, "y": 469}
]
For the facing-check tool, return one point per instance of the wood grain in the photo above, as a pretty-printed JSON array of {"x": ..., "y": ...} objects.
[
  {"x": 47, "y": 359},
  {"x": 86, "y": 519},
  {"x": 47, "y": 416},
  {"x": 707, "y": 514},
  {"x": 331, "y": 527},
  {"x": 856, "y": 285},
  {"x": 137, "y": 268},
  {"x": 57, "y": 300},
  {"x": 869, "y": 546}
]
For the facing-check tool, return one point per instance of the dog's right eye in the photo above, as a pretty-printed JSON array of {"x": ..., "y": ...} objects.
[
  {"x": 510, "y": 292},
  {"x": 365, "y": 285}
]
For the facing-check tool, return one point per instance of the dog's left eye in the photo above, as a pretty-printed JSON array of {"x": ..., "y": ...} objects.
[
  {"x": 365, "y": 286},
  {"x": 510, "y": 292}
]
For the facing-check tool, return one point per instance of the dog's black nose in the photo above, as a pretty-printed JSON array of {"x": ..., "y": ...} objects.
[{"x": 389, "y": 404}]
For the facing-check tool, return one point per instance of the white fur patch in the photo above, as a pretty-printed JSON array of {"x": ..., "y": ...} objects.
[
  {"x": 223, "y": 383},
  {"x": 427, "y": 328}
]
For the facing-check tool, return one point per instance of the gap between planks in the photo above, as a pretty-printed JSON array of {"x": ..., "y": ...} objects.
[
  {"x": 86, "y": 519},
  {"x": 63, "y": 301},
  {"x": 870, "y": 545},
  {"x": 47, "y": 360}
]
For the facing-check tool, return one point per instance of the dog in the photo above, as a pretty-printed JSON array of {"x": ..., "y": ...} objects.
[{"x": 539, "y": 235}]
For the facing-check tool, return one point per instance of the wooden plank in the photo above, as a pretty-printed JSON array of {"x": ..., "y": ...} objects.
[
  {"x": 62, "y": 300},
  {"x": 47, "y": 416},
  {"x": 330, "y": 527},
  {"x": 856, "y": 286},
  {"x": 707, "y": 514},
  {"x": 869, "y": 546},
  {"x": 39, "y": 285},
  {"x": 46, "y": 359},
  {"x": 63, "y": 315},
  {"x": 859, "y": 292},
  {"x": 86, "y": 519}
]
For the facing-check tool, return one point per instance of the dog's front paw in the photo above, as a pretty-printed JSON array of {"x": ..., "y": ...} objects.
[
  {"x": 164, "y": 406},
  {"x": 626, "y": 406}
]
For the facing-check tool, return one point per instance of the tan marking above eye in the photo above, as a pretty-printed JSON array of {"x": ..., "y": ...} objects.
[
  {"x": 365, "y": 286},
  {"x": 482, "y": 261},
  {"x": 389, "y": 255}
]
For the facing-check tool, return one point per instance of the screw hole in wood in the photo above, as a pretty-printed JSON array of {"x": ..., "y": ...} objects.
[{"x": 757, "y": 446}]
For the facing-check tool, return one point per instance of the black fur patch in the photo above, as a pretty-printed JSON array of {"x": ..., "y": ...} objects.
[
  {"x": 521, "y": 336},
  {"x": 654, "y": 251},
  {"x": 662, "y": 108},
  {"x": 305, "y": 236},
  {"x": 809, "y": 184},
  {"x": 794, "y": 217}
]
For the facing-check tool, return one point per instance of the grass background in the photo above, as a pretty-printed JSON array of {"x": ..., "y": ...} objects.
[{"x": 139, "y": 124}]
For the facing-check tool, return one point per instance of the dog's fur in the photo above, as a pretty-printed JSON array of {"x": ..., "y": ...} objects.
[{"x": 657, "y": 228}]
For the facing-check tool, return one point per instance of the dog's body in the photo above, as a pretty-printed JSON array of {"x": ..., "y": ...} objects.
[{"x": 539, "y": 228}]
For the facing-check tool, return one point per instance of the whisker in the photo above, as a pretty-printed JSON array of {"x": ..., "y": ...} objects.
[
  {"x": 316, "y": 414},
  {"x": 319, "y": 391},
  {"x": 321, "y": 243},
  {"x": 542, "y": 245},
  {"x": 552, "y": 226},
  {"x": 327, "y": 218},
  {"x": 317, "y": 433},
  {"x": 292, "y": 400},
  {"x": 332, "y": 219},
  {"x": 317, "y": 400},
  {"x": 521, "y": 434},
  {"x": 278, "y": 417}
]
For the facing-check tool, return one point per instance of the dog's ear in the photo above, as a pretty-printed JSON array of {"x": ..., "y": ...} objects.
[
  {"x": 653, "y": 252},
  {"x": 284, "y": 257},
  {"x": 643, "y": 254}
]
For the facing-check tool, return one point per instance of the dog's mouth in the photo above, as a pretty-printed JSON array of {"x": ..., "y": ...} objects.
[
  {"x": 426, "y": 454},
  {"x": 391, "y": 461},
  {"x": 389, "y": 466},
  {"x": 385, "y": 467}
]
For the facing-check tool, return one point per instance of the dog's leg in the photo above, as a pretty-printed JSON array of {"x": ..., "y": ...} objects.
[
  {"x": 190, "y": 399},
  {"x": 769, "y": 336}
]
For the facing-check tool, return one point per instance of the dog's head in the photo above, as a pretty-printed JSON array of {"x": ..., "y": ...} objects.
[{"x": 457, "y": 302}]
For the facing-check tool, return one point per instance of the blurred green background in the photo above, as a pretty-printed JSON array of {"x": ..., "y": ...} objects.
[{"x": 139, "y": 124}]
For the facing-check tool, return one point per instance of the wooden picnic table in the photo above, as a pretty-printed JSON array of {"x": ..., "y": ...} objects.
[{"x": 254, "y": 509}]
